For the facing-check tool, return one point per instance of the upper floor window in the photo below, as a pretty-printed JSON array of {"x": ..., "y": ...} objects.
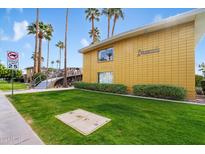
[{"x": 105, "y": 55}]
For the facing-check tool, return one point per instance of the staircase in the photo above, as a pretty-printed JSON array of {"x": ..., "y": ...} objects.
[
  {"x": 39, "y": 83},
  {"x": 47, "y": 83},
  {"x": 42, "y": 85}
]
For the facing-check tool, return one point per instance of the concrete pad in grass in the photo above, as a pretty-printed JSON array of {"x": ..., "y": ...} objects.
[{"x": 83, "y": 121}]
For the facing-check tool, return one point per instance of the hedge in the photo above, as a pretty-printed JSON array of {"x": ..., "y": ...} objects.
[
  {"x": 160, "y": 91},
  {"x": 113, "y": 88},
  {"x": 203, "y": 85}
]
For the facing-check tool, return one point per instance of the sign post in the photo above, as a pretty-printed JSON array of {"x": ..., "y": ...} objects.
[{"x": 13, "y": 64}]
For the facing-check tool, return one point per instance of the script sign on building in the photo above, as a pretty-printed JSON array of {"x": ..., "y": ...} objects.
[
  {"x": 147, "y": 52},
  {"x": 12, "y": 60}
]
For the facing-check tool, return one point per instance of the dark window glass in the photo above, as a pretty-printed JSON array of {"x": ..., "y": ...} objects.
[{"x": 105, "y": 55}]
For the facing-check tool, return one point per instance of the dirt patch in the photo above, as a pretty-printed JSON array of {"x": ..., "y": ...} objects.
[{"x": 28, "y": 119}]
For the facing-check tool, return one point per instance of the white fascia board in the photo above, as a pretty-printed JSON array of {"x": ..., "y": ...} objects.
[{"x": 165, "y": 23}]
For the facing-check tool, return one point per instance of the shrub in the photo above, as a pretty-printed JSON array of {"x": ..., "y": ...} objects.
[
  {"x": 39, "y": 77},
  {"x": 199, "y": 91},
  {"x": 203, "y": 85},
  {"x": 113, "y": 88},
  {"x": 160, "y": 91},
  {"x": 198, "y": 79}
]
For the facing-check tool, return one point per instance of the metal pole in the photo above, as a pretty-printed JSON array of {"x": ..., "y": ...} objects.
[{"x": 12, "y": 82}]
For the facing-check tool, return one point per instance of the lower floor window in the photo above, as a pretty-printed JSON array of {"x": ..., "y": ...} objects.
[{"x": 105, "y": 77}]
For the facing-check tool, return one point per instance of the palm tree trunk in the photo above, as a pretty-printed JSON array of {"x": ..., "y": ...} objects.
[
  {"x": 36, "y": 43},
  {"x": 108, "y": 28},
  {"x": 113, "y": 28},
  {"x": 39, "y": 55},
  {"x": 48, "y": 50},
  {"x": 48, "y": 53},
  {"x": 47, "y": 63},
  {"x": 93, "y": 27},
  {"x": 65, "y": 83},
  {"x": 60, "y": 60}
]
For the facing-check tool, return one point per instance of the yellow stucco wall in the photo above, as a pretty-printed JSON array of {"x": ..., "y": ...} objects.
[{"x": 174, "y": 64}]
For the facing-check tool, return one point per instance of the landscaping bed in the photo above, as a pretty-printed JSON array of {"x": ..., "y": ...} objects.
[
  {"x": 160, "y": 91},
  {"x": 112, "y": 88}
]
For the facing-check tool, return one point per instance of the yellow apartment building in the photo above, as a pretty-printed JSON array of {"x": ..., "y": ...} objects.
[{"x": 159, "y": 53}]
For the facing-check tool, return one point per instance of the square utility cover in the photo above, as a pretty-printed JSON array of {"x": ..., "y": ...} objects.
[{"x": 83, "y": 121}]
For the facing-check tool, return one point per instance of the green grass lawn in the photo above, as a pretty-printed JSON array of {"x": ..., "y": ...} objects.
[
  {"x": 4, "y": 85},
  {"x": 134, "y": 120}
]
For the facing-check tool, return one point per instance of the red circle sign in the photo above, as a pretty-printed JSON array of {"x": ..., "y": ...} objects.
[{"x": 13, "y": 55}]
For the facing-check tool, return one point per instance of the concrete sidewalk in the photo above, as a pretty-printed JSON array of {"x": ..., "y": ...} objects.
[
  {"x": 34, "y": 90},
  {"x": 13, "y": 128}
]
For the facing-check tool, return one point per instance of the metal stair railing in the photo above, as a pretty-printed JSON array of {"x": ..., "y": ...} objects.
[{"x": 34, "y": 83}]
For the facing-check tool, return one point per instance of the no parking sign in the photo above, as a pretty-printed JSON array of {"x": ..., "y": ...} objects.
[
  {"x": 12, "y": 60},
  {"x": 12, "y": 63}
]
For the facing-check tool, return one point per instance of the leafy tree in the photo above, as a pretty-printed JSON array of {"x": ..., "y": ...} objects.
[
  {"x": 202, "y": 68},
  {"x": 7, "y": 73},
  {"x": 198, "y": 79},
  {"x": 3, "y": 71}
]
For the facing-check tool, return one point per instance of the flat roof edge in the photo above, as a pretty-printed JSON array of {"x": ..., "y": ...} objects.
[{"x": 175, "y": 20}]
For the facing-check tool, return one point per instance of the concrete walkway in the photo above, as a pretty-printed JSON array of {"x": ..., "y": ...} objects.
[
  {"x": 13, "y": 128},
  {"x": 34, "y": 90}
]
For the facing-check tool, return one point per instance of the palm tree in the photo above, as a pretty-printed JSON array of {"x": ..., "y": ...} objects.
[
  {"x": 96, "y": 34},
  {"x": 48, "y": 36},
  {"x": 32, "y": 29},
  {"x": 52, "y": 62},
  {"x": 117, "y": 13},
  {"x": 65, "y": 83},
  {"x": 61, "y": 46},
  {"x": 92, "y": 14},
  {"x": 42, "y": 60},
  {"x": 42, "y": 33},
  {"x": 33, "y": 56},
  {"x": 57, "y": 64},
  {"x": 109, "y": 13}
]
